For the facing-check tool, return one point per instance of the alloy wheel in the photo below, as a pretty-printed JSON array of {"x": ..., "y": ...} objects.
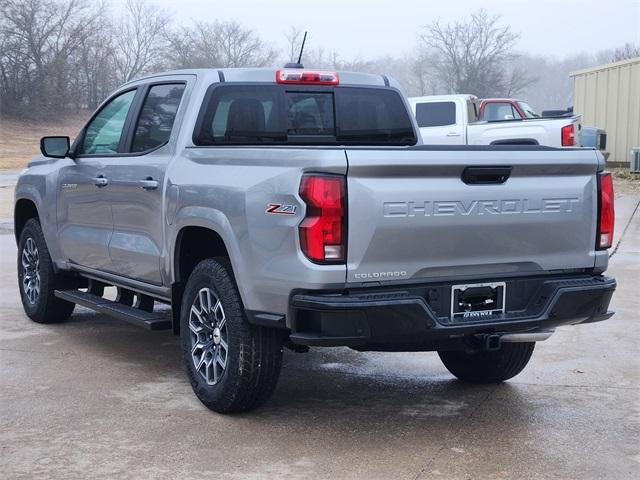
[
  {"x": 30, "y": 270},
  {"x": 208, "y": 330}
]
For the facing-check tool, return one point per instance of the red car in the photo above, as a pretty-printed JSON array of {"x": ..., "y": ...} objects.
[{"x": 492, "y": 109}]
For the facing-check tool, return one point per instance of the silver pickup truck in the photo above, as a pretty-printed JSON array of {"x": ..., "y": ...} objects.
[{"x": 295, "y": 208}]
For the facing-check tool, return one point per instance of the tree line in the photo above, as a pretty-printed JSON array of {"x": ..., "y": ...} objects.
[
  {"x": 58, "y": 56},
  {"x": 61, "y": 55}
]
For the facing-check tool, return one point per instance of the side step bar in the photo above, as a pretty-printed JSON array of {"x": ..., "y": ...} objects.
[{"x": 148, "y": 320}]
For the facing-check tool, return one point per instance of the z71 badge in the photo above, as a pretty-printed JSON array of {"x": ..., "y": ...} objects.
[{"x": 279, "y": 209}]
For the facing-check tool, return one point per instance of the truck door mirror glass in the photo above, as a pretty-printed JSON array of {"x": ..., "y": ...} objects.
[{"x": 54, "y": 147}]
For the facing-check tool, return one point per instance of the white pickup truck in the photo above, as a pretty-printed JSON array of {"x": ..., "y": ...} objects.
[{"x": 453, "y": 120}]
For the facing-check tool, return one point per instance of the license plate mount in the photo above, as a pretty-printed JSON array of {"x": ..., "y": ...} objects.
[{"x": 478, "y": 301}]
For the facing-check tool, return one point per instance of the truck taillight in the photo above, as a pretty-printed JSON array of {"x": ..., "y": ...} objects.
[
  {"x": 323, "y": 230},
  {"x": 606, "y": 213},
  {"x": 568, "y": 136},
  {"x": 294, "y": 75}
]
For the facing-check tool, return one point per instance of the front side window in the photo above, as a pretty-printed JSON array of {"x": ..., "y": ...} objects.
[
  {"x": 436, "y": 114},
  {"x": 157, "y": 116},
  {"x": 105, "y": 129}
]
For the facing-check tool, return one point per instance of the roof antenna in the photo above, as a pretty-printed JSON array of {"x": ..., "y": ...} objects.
[{"x": 298, "y": 64}]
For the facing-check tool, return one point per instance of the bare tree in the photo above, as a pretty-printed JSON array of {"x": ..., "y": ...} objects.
[
  {"x": 241, "y": 47},
  {"x": 218, "y": 44},
  {"x": 628, "y": 50},
  {"x": 294, "y": 41},
  {"x": 182, "y": 48},
  {"x": 95, "y": 68},
  {"x": 472, "y": 55},
  {"x": 140, "y": 39},
  {"x": 518, "y": 80},
  {"x": 419, "y": 77},
  {"x": 38, "y": 38}
]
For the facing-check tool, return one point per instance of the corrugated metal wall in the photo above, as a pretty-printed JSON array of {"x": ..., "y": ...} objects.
[{"x": 609, "y": 97}]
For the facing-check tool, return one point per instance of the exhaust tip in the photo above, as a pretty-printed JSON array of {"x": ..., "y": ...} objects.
[{"x": 526, "y": 337}]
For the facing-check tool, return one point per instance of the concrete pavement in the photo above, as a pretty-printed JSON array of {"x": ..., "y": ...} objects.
[
  {"x": 8, "y": 179},
  {"x": 97, "y": 398}
]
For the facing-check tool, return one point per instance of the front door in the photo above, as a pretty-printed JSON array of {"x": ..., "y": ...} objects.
[{"x": 84, "y": 215}]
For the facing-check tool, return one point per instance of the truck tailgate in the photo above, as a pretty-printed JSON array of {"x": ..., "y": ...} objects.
[{"x": 411, "y": 216}]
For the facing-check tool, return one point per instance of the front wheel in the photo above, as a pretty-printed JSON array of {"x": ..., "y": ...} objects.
[
  {"x": 232, "y": 365},
  {"x": 488, "y": 366},
  {"x": 37, "y": 280}
]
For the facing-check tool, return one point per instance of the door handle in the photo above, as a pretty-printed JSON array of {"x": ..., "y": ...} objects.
[
  {"x": 453, "y": 134},
  {"x": 149, "y": 184},
  {"x": 485, "y": 175},
  {"x": 100, "y": 181}
]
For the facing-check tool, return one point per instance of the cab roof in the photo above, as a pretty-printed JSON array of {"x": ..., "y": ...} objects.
[
  {"x": 506, "y": 100},
  {"x": 269, "y": 75},
  {"x": 444, "y": 98}
]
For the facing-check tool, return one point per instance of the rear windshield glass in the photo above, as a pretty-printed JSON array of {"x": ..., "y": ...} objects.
[
  {"x": 436, "y": 114},
  {"x": 310, "y": 114},
  {"x": 495, "y": 111},
  {"x": 275, "y": 114}
]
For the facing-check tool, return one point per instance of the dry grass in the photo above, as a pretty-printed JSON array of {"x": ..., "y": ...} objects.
[
  {"x": 20, "y": 139},
  {"x": 625, "y": 182}
]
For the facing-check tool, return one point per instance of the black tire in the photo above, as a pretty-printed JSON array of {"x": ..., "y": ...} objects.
[
  {"x": 488, "y": 366},
  {"x": 44, "y": 307},
  {"x": 254, "y": 354}
]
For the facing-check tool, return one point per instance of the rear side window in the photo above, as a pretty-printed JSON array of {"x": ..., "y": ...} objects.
[
  {"x": 436, "y": 114},
  {"x": 157, "y": 116},
  {"x": 276, "y": 114}
]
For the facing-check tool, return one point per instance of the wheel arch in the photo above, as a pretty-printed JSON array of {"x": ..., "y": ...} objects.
[
  {"x": 24, "y": 209},
  {"x": 193, "y": 242}
]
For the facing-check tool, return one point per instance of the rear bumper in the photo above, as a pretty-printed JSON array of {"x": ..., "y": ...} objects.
[{"x": 417, "y": 317}]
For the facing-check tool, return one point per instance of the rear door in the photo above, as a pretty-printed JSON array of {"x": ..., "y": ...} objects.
[
  {"x": 412, "y": 217},
  {"x": 136, "y": 182},
  {"x": 440, "y": 122}
]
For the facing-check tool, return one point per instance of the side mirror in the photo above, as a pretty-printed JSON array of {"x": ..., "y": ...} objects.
[
  {"x": 55, "y": 147},
  {"x": 508, "y": 117}
]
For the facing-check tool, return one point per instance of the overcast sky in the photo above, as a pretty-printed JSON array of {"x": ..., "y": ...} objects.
[{"x": 366, "y": 29}]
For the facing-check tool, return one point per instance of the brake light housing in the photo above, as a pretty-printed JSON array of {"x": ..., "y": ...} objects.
[
  {"x": 606, "y": 211},
  {"x": 568, "y": 134},
  {"x": 323, "y": 230},
  {"x": 307, "y": 77}
]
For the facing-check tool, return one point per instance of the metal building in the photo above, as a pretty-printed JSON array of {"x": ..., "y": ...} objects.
[{"x": 608, "y": 97}]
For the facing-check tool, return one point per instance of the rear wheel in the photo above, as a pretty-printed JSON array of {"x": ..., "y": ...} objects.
[
  {"x": 488, "y": 366},
  {"x": 232, "y": 365},
  {"x": 37, "y": 280}
]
